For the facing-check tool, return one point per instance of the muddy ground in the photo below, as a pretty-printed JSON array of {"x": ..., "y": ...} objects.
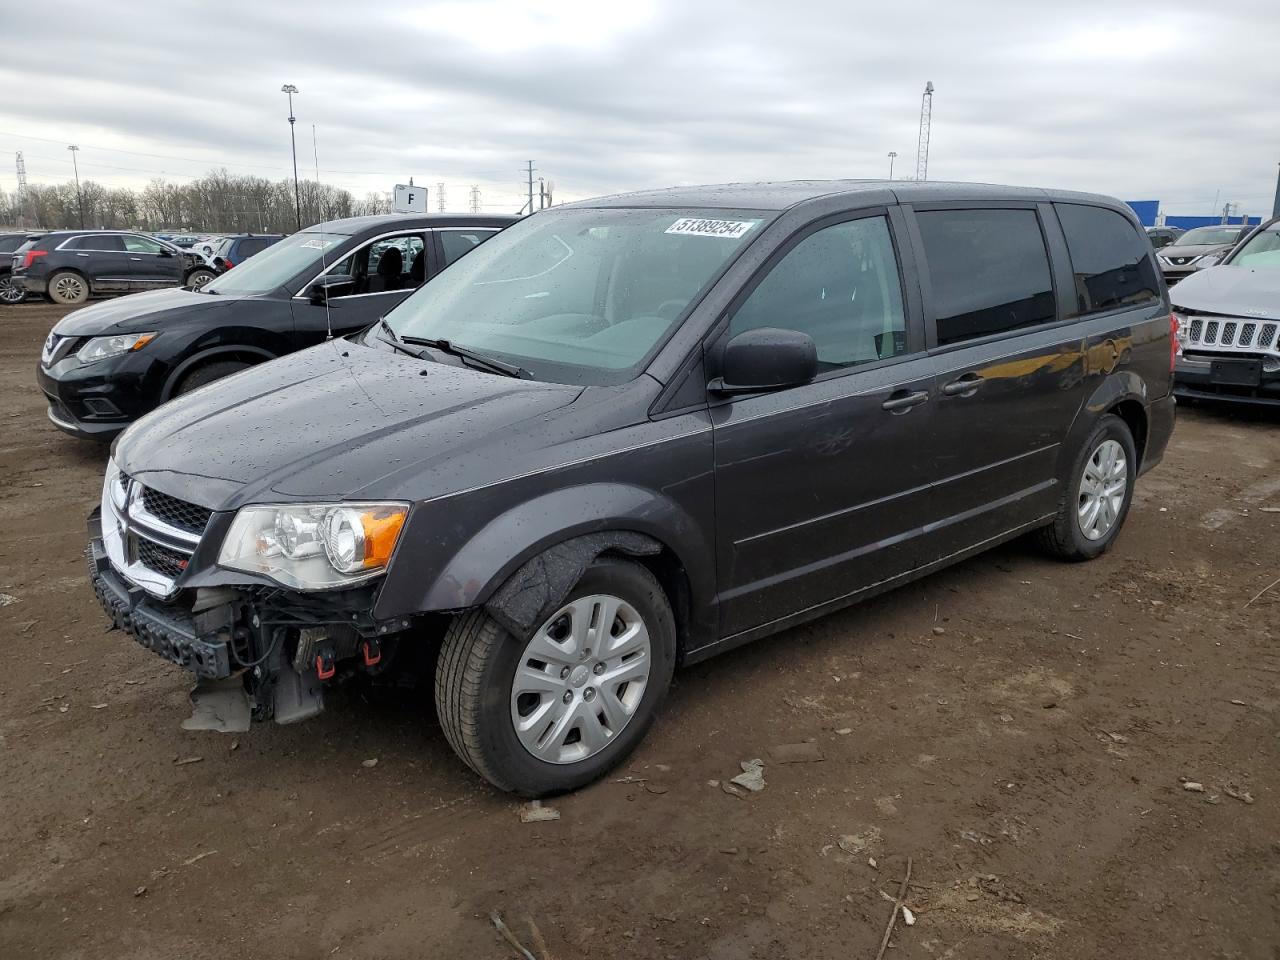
[{"x": 1017, "y": 727}]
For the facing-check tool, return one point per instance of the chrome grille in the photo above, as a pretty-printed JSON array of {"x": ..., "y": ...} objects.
[
  {"x": 149, "y": 536},
  {"x": 185, "y": 516},
  {"x": 1227, "y": 333}
]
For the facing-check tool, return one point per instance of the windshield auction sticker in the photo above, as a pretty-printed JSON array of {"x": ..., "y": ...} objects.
[{"x": 701, "y": 227}]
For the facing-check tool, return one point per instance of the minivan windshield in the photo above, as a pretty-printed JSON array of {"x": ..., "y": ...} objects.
[
  {"x": 276, "y": 265},
  {"x": 1262, "y": 250},
  {"x": 579, "y": 295},
  {"x": 1209, "y": 236}
]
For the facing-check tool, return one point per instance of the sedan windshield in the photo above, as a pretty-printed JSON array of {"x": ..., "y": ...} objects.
[
  {"x": 1263, "y": 250},
  {"x": 578, "y": 296},
  {"x": 275, "y": 266},
  {"x": 1209, "y": 236}
]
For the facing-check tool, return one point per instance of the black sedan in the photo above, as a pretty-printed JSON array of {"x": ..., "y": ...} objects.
[{"x": 106, "y": 365}]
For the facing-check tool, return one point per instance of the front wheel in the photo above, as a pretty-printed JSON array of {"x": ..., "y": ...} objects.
[
  {"x": 1096, "y": 494},
  {"x": 68, "y": 288},
  {"x": 555, "y": 710}
]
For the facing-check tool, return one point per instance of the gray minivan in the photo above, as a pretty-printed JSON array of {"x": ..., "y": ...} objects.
[{"x": 637, "y": 431}]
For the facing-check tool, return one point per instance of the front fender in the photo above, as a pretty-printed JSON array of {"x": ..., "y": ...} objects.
[
  {"x": 178, "y": 372},
  {"x": 419, "y": 582}
]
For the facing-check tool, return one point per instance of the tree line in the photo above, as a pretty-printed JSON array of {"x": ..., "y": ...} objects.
[{"x": 219, "y": 202}]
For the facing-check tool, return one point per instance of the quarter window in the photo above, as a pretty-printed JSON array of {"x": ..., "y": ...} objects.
[
  {"x": 989, "y": 272},
  {"x": 458, "y": 242},
  {"x": 840, "y": 285},
  {"x": 1109, "y": 261}
]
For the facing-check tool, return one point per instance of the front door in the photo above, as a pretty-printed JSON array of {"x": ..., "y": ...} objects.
[
  {"x": 151, "y": 265},
  {"x": 821, "y": 490},
  {"x": 363, "y": 286}
]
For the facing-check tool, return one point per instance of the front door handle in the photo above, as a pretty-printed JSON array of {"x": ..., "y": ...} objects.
[
  {"x": 902, "y": 401},
  {"x": 135, "y": 258},
  {"x": 966, "y": 386}
]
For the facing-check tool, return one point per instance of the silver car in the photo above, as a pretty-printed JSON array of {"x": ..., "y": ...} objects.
[{"x": 1197, "y": 249}]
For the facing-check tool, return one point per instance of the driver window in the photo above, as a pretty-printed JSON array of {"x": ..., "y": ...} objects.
[
  {"x": 384, "y": 266},
  {"x": 839, "y": 285}
]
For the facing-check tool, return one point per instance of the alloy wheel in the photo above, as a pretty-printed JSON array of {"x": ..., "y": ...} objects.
[
  {"x": 580, "y": 679},
  {"x": 10, "y": 293},
  {"x": 1102, "y": 489},
  {"x": 68, "y": 289}
]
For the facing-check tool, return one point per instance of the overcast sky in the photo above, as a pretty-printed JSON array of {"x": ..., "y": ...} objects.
[{"x": 1173, "y": 100}]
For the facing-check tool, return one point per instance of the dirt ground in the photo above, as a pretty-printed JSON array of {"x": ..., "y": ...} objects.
[{"x": 1017, "y": 727}]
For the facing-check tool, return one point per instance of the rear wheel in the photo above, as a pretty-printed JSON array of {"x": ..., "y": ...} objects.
[
  {"x": 554, "y": 710},
  {"x": 199, "y": 278},
  {"x": 10, "y": 293},
  {"x": 1095, "y": 495},
  {"x": 210, "y": 372},
  {"x": 68, "y": 288}
]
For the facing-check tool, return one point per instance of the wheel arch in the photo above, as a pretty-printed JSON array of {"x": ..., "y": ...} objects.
[
  {"x": 524, "y": 562},
  {"x": 1124, "y": 394},
  {"x": 251, "y": 355}
]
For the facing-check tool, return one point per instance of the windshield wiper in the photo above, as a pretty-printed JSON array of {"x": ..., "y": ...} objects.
[
  {"x": 395, "y": 340},
  {"x": 492, "y": 364}
]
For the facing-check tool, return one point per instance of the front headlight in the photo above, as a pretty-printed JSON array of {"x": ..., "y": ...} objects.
[
  {"x": 100, "y": 348},
  {"x": 314, "y": 546}
]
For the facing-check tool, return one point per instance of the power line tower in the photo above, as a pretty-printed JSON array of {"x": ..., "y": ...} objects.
[
  {"x": 926, "y": 122},
  {"x": 475, "y": 198},
  {"x": 21, "y": 199},
  {"x": 529, "y": 205},
  {"x": 440, "y": 196}
]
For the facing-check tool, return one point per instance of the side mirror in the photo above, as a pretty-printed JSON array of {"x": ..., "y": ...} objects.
[
  {"x": 166, "y": 252},
  {"x": 326, "y": 287},
  {"x": 767, "y": 358}
]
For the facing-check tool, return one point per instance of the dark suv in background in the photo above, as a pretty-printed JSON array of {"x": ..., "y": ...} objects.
[
  {"x": 237, "y": 248},
  {"x": 636, "y": 431},
  {"x": 104, "y": 366},
  {"x": 9, "y": 243},
  {"x": 69, "y": 266}
]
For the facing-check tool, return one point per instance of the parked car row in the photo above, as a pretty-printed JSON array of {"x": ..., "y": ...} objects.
[
  {"x": 108, "y": 364},
  {"x": 1197, "y": 249},
  {"x": 615, "y": 436}
]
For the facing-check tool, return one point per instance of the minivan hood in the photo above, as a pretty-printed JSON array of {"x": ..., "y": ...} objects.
[
  {"x": 136, "y": 312},
  {"x": 329, "y": 422},
  {"x": 1232, "y": 290}
]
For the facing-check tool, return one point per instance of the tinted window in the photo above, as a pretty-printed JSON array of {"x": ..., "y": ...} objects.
[
  {"x": 141, "y": 245},
  {"x": 989, "y": 271},
  {"x": 458, "y": 242},
  {"x": 1108, "y": 258},
  {"x": 9, "y": 244},
  {"x": 105, "y": 242},
  {"x": 251, "y": 245},
  {"x": 840, "y": 286}
]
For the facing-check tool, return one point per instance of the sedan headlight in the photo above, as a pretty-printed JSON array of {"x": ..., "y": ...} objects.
[
  {"x": 100, "y": 348},
  {"x": 314, "y": 546}
]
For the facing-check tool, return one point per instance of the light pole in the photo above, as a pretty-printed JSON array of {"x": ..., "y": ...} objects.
[
  {"x": 290, "y": 89},
  {"x": 892, "y": 154},
  {"x": 79, "y": 196}
]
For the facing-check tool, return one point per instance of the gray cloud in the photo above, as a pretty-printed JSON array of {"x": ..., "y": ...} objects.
[{"x": 1163, "y": 100}]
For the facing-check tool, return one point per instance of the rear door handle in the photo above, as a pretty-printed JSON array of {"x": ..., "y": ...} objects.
[
  {"x": 135, "y": 258},
  {"x": 966, "y": 386},
  {"x": 901, "y": 401},
  {"x": 82, "y": 255}
]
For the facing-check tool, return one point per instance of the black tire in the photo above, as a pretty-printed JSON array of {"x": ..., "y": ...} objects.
[
  {"x": 199, "y": 277},
  {"x": 8, "y": 292},
  {"x": 477, "y": 665},
  {"x": 208, "y": 373},
  {"x": 68, "y": 288},
  {"x": 1064, "y": 538}
]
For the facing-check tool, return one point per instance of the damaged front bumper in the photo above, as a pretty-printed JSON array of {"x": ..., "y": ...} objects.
[{"x": 281, "y": 646}]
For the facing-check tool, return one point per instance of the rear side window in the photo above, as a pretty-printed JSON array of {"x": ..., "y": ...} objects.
[
  {"x": 989, "y": 271},
  {"x": 1111, "y": 264},
  {"x": 102, "y": 242},
  {"x": 251, "y": 245},
  {"x": 458, "y": 242}
]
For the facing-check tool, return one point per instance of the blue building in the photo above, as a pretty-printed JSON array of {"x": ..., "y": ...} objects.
[{"x": 1148, "y": 212}]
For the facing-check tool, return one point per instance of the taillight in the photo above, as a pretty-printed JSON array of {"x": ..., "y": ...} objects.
[
  {"x": 1175, "y": 345},
  {"x": 228, "y": 262},
  {"x": 31, "y": 257}
]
